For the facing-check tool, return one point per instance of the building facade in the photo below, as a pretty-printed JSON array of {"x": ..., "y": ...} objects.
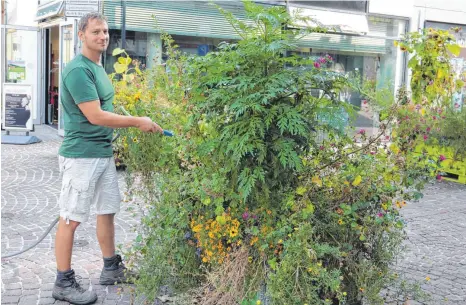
[{"x": 42, "y": 39}]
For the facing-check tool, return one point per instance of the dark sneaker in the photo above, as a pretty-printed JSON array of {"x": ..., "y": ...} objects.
[
  {"x": 118, "y": 274},
  {"x": 68, "y": 289}
]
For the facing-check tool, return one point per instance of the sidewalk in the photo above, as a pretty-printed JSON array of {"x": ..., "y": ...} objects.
[{"x": 30, "y": 189}]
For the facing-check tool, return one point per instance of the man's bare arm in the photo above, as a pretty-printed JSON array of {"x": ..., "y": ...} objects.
[{"x": 97, "y": 116}]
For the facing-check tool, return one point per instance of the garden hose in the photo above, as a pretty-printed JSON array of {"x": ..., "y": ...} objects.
[
  {"x": 41, "y": 238},
  {"x": 37, "y": 242}
]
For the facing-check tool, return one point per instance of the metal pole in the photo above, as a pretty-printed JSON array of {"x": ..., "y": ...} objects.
[{"x": 123, "y": 24}]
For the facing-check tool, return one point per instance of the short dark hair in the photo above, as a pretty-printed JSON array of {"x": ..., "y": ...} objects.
[{"x": 84, "y": 21}]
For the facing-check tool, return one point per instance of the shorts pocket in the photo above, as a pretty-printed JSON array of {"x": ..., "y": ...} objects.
[{"x": 80, "y": 195}]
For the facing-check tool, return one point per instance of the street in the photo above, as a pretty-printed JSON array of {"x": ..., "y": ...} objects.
[{"x": 30, "y": 189}]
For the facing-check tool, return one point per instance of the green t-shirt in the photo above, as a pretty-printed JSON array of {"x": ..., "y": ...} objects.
[{"x": 83, "y": 80}]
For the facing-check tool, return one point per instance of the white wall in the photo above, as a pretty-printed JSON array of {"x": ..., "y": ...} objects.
[
  {"x": 22, "y": 12},
  {"x": 400, "y": 8}
]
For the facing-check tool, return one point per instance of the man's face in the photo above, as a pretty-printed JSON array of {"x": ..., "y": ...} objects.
[{"x": 95, "y": 37}]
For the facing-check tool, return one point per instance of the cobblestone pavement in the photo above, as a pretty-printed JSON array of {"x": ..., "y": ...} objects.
[
  {"x": 437, "y": 243},
  {"x": 31, "y": 183},
  {"x": 30, "y": 189}
]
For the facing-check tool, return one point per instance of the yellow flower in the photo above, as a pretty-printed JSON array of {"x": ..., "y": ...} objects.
[
  {"x": 319, "y": 264},
  {"x": 309, "y": 269},
  {"x": 344, "y": 293},
  {"x": 340, "y": 221},
  {"x": 280, "y": 241},
  {"x": 258, "y": 302},
  {"x": 197, "y": 228},
  {"x": 233, "y": 232},
  {"x": 427, "y": 278},
  {"x": 357, "y": 180},
  {"x": 254, "y": 240},
  {"x": 211, "y": 235},
  {"x": 135, "y": 140},
  {"x": 204, "y": 259},
  {"x": 361, "y": 289}
]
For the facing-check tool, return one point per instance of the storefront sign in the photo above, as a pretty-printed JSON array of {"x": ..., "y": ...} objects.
[
  {"x": 78, "y": 8},
  {"x": 49, "y": 9},
  {"x": 17, "y": 107},
  {"x": 16, "y": 70}
]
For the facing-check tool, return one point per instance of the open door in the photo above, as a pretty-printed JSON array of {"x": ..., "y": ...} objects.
[{"x": 68, "y": 49}]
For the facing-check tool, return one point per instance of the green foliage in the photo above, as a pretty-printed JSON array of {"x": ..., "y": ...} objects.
[
  {"x": 247, "y": 191},
  {"x": 432, "y": 78},
  {"x": 450, "y": 133}
]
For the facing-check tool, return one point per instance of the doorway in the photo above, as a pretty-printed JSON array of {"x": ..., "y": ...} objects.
[{"x": 52, "y": 81}]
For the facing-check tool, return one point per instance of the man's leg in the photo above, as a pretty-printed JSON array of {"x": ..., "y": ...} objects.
[
  {"x": 66, "y": 287},
  {"x": 64, "y": 243},
  {"x": 106, "y": 234}
]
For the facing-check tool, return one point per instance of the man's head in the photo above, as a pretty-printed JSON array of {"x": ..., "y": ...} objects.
[{"x": 93, "y": 32}]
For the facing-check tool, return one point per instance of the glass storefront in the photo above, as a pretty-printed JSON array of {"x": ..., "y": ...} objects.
[{"x": 139, "y": 44}]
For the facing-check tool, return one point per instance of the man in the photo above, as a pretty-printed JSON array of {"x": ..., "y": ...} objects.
[{"x": 86, "y": 160}]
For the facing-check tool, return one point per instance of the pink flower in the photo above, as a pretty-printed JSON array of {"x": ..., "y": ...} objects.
[
  {"x": 442, "y": 158},
  {"x": 387, "y": 137},
  {"x": 380, "y": 215},
  {"x": 329, "y": 58},
  {"x": 428, "y": 129},
  {"x": 362, "y": 132},
  {"x": 322, "y": 60},
  {"x": 373, "y": 153},
  {"x": 434, "y": 117},
  {"x": 254, "y": 216},
  {"x": 316, "y": 65},
  {"x": 245, "y": 215},
  {"x": 439, "y": 177},
  {"x": 364, "y": 102},
  {"x": 425, "y": 137},
  {"x": 321, "y": 147}
]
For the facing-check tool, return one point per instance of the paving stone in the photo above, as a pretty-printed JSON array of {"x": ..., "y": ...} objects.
[
  {"x": 9, "y": 299},
  {"x": 46, "y": 301},
  {"x": 436, "y": 231}
]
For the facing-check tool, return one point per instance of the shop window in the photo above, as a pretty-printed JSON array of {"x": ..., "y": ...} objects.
[{"x": 136, "y": 47}]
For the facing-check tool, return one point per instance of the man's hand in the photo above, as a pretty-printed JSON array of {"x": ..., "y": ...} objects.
[{"x": 145, "y": 124}]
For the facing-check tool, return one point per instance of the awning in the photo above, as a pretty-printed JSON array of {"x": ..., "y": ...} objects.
[
  {"x": 339, "y": 22},
  {"x": 50, "y": 9}
]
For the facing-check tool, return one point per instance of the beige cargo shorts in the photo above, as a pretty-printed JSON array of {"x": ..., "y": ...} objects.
[{"x": 86, "y": 182}]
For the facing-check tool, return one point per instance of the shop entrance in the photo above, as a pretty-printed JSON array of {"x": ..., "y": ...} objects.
[
  {"x": 59, "y": 47},
  {"x": 52, "y": 65}
]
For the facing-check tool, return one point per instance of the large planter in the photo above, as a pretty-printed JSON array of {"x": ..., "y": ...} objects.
[{"x": 453, "y": 170}]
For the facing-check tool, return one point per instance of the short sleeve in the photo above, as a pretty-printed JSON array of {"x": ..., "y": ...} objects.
[{"x": 81, "y": 86}]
